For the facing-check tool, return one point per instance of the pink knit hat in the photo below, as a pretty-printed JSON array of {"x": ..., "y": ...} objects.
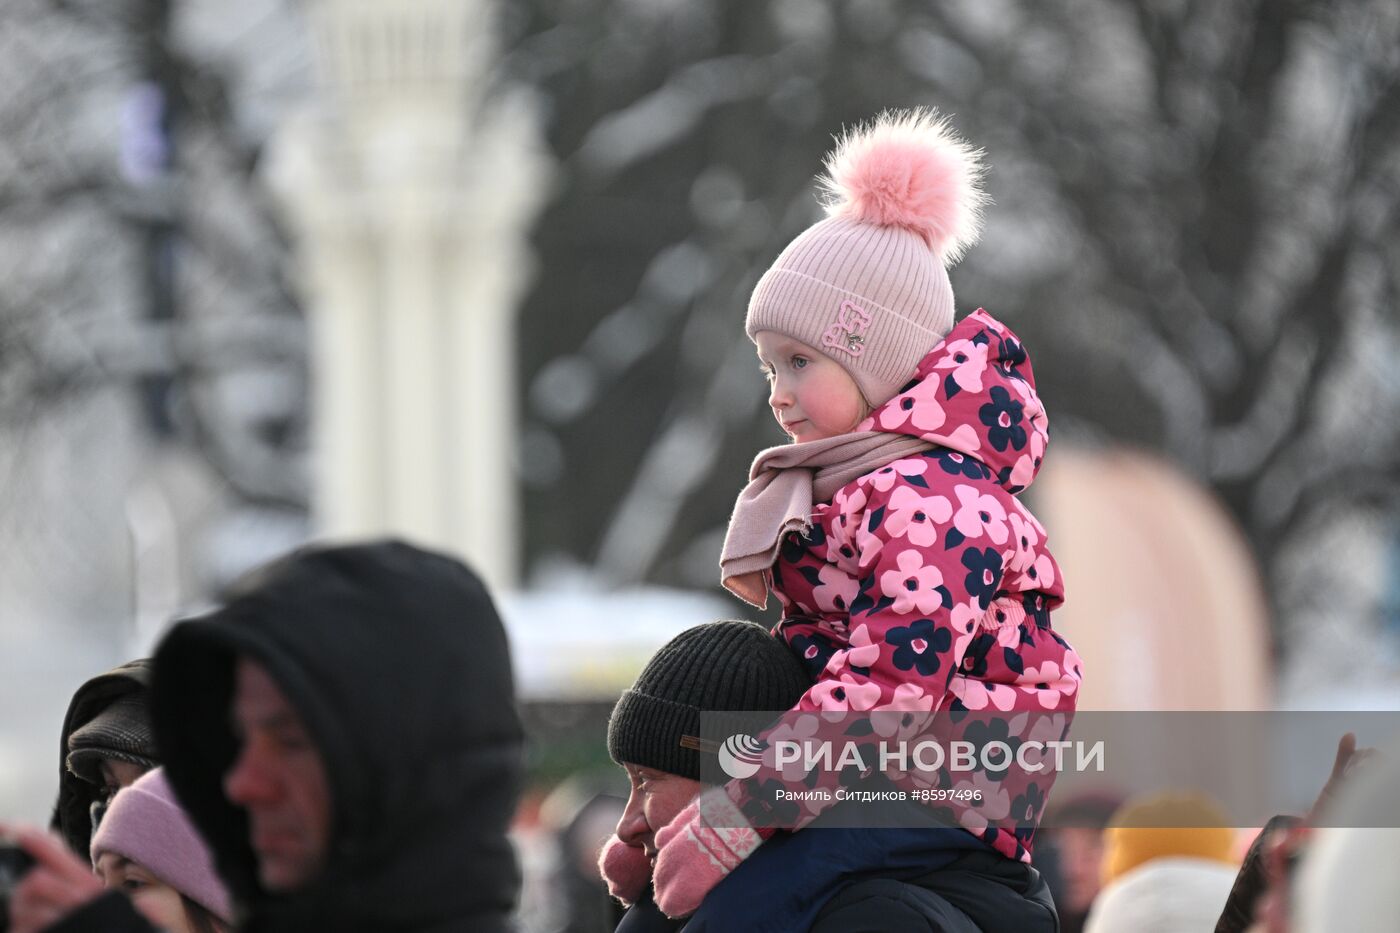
[
  {"x": 146, "y": 825},
  {"x": 868, "y": 286}
]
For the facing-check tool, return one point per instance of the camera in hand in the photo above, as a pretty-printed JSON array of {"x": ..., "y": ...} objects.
[{"x": 14, "y": 862}]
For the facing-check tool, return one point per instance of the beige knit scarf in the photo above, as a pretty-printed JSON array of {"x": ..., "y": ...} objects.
[{"x": 784, "y": 485}]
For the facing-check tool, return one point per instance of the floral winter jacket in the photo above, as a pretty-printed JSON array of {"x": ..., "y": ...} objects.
[{"x": 926, "y": 585}]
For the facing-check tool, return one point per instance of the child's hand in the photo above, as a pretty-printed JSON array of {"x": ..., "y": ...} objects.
[
  {"x": 625, "y": 868},
  {"x": 697, "y": 849}
]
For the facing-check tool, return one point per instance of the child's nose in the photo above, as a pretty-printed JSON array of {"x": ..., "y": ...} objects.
[{"x": 778, "y": 395}]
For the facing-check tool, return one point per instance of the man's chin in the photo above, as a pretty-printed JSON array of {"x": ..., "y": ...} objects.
[{"x": 280, "y": 875}]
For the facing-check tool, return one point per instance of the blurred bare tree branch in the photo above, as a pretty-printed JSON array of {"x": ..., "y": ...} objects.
[{"x": 147, "y": 256}]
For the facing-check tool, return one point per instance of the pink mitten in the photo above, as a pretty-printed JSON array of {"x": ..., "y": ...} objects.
[
  {"x": 697, "y": 849},
  {"x": 625, "y": 868}
]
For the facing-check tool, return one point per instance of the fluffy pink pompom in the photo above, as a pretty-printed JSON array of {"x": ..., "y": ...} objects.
[{"x": 909, "y": 169}]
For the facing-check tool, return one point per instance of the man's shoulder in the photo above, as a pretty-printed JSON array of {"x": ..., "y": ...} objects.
[
  {"x": 980, "y": 892},
  {"x": 885, "y": 905}
]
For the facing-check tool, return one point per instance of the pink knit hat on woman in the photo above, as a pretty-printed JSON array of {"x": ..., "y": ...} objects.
[
  {"x": 868, "y": 286},
  {"x": 146, "y": 825}
]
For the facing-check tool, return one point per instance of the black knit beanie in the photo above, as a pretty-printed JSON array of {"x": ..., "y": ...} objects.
[{"x": 715, "y": 667}]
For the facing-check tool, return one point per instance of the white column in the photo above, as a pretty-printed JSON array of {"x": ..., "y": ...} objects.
[
  {"x": 418, "y": 416},
  {"x": 412, "y": 198},
  {"x": 347, "y": 382}
]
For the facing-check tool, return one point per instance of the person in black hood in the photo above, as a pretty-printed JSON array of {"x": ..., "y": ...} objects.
[
  {"x": 106, "y": 744},
  {"x": 397, "y": 666},
  {"x": 343, "y": 733}
]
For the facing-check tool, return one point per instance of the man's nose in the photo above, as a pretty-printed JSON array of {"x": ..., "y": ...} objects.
[
  {"x": 249, "y": 780},
  {"x": 632, "y": 826}
]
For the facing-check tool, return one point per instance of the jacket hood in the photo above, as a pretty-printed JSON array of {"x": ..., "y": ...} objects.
[
  {"x": 974, "y": 393},
  {"x": 72, "y": 812},
  {"x": 398, "y": 664}
]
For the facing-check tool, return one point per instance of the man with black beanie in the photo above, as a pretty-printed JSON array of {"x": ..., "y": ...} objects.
[
  {"x": 654, "y": 735},
  {"x": 728, "y": 667}
]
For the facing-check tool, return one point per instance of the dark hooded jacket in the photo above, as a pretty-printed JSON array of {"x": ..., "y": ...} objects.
[
  {"x": 72, "y": 813},
  {"x": 398, "y": 664}
]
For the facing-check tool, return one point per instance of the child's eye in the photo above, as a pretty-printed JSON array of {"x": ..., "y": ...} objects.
[
  {"x": 133, "y": 884},
  {"x": 799, "y": 362}
]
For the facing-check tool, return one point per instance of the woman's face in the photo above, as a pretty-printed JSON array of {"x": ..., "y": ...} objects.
[{"x": 156, "y": 900}]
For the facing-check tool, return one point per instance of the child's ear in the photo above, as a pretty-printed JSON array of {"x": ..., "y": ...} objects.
[{"x": 865, "y": 408}]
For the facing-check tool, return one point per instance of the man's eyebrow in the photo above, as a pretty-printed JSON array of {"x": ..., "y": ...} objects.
[{"x": 280, "y": 719}]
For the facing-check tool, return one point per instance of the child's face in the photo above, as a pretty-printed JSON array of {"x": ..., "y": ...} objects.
[{"x": 812, "y": 396}]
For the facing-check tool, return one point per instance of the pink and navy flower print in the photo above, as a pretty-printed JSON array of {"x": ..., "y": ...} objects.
[
  {"x": 983, "y": 573},
  {"x": 1002, "y": 417},
  {"x": 919, "y": 646}
]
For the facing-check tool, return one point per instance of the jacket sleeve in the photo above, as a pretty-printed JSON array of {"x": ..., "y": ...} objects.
[
  {"x": 1251, "y": 882},
  {"x": 111, "y": 913}
]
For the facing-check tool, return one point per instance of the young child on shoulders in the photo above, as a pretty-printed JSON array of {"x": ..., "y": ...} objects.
[{"x": 910, "y": 575}]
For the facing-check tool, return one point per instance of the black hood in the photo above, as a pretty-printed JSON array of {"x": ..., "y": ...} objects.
[
  {"x": 398, "y": 664},
  {"x": 72, "y": 816}
]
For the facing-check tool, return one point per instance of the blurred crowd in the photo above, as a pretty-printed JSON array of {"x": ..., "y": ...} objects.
[{"x": 336, "y": 747}]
